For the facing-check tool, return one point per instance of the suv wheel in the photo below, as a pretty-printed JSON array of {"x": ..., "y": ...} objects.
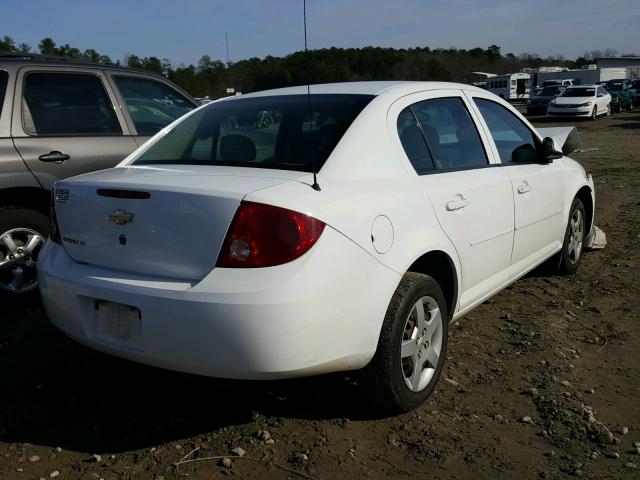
[
  {"x": 22, "y": 234},
  {"x": 412, "y": 346}
]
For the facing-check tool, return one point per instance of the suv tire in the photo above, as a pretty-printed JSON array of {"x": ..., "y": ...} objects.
[{"x": 22, "y": 234}]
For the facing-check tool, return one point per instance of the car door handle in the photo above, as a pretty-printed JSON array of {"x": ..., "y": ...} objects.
[
  {"x": 54, "y": 157},
  {"x": 524, "y": 188},
  {"x": 457, "y": 203}
]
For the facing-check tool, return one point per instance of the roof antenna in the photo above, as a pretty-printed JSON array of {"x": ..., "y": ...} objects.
[{"x": 315, "y": 185}]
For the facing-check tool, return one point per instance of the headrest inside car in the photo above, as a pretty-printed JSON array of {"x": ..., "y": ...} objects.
[{"x": 237, "y": 148}]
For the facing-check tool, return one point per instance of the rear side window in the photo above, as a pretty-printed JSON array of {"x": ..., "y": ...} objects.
[
  {"x": 67, "y": 104},
  {"x": 262, "y": 132},
  {"x": 441, "y": 132},
  {"x": 413, "y": 142},
  {"x": 3, "y": 87},
  {"x": 152, "y": 105},
  {"x": 514, "y": 141}
]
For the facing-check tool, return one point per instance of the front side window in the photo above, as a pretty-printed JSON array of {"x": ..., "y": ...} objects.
[
  {"x": 67, "y": 104},
  {"x": 262, "y": 132},
  {"x": 151, "y": 104},
  {"x": 514, "y": 141},
  {"x": 4, "y": 76}
]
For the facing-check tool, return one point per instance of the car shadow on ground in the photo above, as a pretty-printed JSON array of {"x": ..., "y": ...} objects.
[{"x": 59, "y": 393}]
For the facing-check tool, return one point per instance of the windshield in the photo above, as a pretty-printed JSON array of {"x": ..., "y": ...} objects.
[
  {"x": 549, "y": 91},
  {"x": 578, "y": 92},
  {"x": 614, "y": 85},
  {"x": 262, "y": 132}
]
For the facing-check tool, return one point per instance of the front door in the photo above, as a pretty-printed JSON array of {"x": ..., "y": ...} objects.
[
  {"x": 538, "y": 188},
  {"x": 65, "y": 123}
]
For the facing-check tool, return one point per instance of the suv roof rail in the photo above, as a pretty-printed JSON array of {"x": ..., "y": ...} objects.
[{"x": 39, "y": 56}]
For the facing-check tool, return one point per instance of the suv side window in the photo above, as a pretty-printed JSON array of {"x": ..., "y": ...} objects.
[
  {"x": 4, "y": 76},
  {"x": 67, "y": 104},
  {"x": 514, "y": 141},
  {"x": 151, "y": 104}
]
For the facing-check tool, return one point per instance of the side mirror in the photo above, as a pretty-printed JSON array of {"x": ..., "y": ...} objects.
[{"x": 549, "y": 152}]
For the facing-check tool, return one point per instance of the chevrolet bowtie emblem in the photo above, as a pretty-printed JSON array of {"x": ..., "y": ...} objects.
[{"x": 120, "y": 217}]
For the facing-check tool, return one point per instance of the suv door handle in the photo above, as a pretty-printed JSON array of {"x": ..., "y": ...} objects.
[
  {"x": 54, "y": 157},
  {"x": 524, "y": 188},
  {"x": 457, "y": 203}
]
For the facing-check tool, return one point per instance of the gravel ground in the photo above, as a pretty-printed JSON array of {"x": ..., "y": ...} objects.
[{"x": 541, "y": 382}]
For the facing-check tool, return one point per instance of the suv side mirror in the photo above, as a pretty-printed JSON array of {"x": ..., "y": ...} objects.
[{"x": 549, "y": 152}]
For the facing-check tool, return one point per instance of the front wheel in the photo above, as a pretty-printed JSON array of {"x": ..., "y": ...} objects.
[
  {"x": 412, "y": 346},
  {"x": 594, "y": 114},
  {"x": 573, "y": 244}
]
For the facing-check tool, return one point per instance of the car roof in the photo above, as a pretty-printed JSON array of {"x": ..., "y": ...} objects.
[{"x": 374, "y": 88}]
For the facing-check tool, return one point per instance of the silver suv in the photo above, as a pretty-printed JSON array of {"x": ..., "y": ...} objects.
[{"x": 58, "y": 119}]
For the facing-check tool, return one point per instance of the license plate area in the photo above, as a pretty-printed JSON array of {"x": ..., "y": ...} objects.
[{"x": 116, "y": 324}]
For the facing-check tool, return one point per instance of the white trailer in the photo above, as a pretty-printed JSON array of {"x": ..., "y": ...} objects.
[{"x": 512, "y": 87}]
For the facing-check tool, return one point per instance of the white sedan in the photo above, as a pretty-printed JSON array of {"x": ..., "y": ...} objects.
[
  {"x": 212, "y": 249},
  {"x": 589, "y": 101}
]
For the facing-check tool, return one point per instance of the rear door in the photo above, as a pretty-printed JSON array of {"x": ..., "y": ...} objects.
[
  {"x": 472, "y": 199},
  {"x": 149, "y": 104},
  {"x": 538, "y": 188},
  {"x": 65, "y": 123}
]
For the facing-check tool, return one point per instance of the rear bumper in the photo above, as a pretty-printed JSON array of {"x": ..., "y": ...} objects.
[{"x": 318, "y": 314}]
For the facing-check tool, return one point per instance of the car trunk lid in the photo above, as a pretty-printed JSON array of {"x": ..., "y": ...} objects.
[{"x": 168, "y": 221}]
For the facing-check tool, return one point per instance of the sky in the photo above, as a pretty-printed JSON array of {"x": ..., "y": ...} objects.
[{"x": 184, "y": 30}]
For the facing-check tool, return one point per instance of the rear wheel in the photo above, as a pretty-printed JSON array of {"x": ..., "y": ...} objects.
[
  {"x": 412, "y": 346},
  {"x": 22, "y": 234},
  {"x": 573, "y": 244}
]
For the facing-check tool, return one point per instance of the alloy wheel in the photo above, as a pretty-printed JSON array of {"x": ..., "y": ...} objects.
[
  {"x": 19, "y": 249},
  {"x": 576, "y": 236},
  {"x": 421, "y": 344}
]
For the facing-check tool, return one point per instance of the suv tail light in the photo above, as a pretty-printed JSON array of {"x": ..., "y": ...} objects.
[
  {"x": 54, "y": 231},
  {"x": 263, "y": 236}
]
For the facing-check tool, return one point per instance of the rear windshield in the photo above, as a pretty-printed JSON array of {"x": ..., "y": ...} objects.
[
  {"x": 578, "y": 92},
  {"x": 3, "y": 87},
  {"x": 264, "y": 132}
]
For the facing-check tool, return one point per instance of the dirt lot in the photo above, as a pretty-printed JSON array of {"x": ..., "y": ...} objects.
[{"x": 541, "y": 382}]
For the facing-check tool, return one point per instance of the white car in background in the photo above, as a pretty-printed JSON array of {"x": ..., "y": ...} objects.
[
  {"x": 210, "y": 250},
  {"x": 581, "y": 101}
]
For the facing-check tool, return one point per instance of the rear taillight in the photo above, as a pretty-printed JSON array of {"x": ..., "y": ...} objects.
[
  {"x": 263, "y": 236},
  {"x": 54, "y": 231}
]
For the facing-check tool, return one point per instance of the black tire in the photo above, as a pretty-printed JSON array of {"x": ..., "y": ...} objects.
[
  {"x": 384, "y": 377},
  {"x": 594, "y": 114},
  {"x": 569, "y": 261},
  {"x": 25, "y": 218}
]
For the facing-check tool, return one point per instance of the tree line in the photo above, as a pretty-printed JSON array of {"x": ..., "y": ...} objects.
[{"x": 210, "y": 77}]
